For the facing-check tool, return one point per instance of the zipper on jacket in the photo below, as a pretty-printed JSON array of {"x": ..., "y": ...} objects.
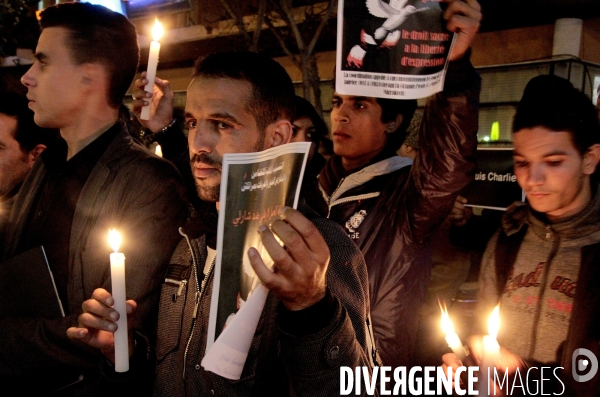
[
  {"x": 365, "y": 196},
  {"x": 333, "y": 194},
  {"x": 198, "y": 296},
  {"x": 544, "y": 284},
  {"x": 179, "y": 283},
  {"x": 374, "y": 350}
]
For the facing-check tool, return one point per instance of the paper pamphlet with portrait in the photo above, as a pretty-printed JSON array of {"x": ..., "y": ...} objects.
[
  {"x": 254, "y": 187},
  {"x": 395, "y": 49}
]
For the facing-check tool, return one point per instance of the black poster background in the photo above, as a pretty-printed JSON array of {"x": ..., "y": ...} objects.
[
  {"x": 486, "y": 193},
  {"x": 240, "y": 227}
]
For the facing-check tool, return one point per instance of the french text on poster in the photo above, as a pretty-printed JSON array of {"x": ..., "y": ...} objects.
[{"x": 394, "y": 49}]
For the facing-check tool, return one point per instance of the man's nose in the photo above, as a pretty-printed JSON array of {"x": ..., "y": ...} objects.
[{"x": 27, "y": 79}]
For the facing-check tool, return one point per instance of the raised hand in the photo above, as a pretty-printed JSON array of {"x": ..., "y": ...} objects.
[
  {"x": 463, "y": 18},
  {"x": 160, "y": 101},
  {"x": 298, "y": 276}
]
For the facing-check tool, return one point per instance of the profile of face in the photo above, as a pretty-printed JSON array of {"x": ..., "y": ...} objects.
[
  {"x": 56, "y": 86},
  {"x": 552, "y": 172},
  {"x": 14, "y": 161},
  {"x": 219, "y": 122},
  {"x": 357, "y": 130}
]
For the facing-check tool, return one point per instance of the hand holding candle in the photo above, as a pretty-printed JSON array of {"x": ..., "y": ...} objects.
[
  {"x": 491, "y": 351},
  {"x": 451, "y": 338},
  {"x": 157, "y": 32},
  {"x": 117, "y": 274}
]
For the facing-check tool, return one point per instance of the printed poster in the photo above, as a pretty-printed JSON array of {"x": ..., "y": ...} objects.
[
  {"x": 255, "y": 186},
  {"x": 394, "y": 49}
]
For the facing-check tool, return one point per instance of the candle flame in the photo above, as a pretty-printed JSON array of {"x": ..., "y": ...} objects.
[
  {"x": 157, "y": 30},
  {"x": 447, "y": 326},
  {"x": 114, "y": 239},
  {"x": 494, "y": 322}
]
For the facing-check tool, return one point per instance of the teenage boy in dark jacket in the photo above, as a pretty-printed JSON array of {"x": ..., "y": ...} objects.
[{"x": 391, "y": 210}]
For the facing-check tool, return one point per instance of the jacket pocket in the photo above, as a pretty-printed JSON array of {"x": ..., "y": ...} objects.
[{"x": 171, "y": 311}]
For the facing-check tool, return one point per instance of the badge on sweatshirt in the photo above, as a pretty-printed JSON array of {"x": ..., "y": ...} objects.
[{"x": 354, "y": 222}]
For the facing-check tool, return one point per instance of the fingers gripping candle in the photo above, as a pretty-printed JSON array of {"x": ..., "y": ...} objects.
[
  {"x": 157, "y": 32},
  {"x": 117, "y": 275}
]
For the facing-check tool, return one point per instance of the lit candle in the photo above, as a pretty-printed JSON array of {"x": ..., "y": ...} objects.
[
  {"x": 451, "y": 338},
  {"x": 117, "y": 275},
  {"x": 491, "y": 351},
  {"x": 157, "y": 32},
  {"x": 158, "y": 151}
]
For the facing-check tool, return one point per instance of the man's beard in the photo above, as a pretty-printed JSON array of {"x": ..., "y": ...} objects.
[
  {"x": 207, "y": 193},
  {"x": 211, "y": 193}
]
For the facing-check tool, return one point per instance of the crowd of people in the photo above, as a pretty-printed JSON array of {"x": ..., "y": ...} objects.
[{"x": 353, "y": 263}]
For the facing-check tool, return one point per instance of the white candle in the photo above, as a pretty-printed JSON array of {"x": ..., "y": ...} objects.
[
  {"x": 117, "y": 275},
  {"x": 491, "y": 351},
  {"x": 158, "y": 151},
  {"x": 451, "y": 338},
  {"x": 157, "y": 32}
]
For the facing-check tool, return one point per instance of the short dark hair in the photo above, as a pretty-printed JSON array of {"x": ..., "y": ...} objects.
[
  {"x": 305, "y": 109},
  {"x": 272, "y": 89},
  {"x": 552, "y": 102},
  {"x": 390, "y": 109},
  {"x": 98, "y": 35},
  {"x": 28, "y": 133}
]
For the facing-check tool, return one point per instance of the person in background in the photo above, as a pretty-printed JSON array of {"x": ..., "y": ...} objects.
[
  {"x": 21, "y": 142},
  {"x": 542, "y": 267},
  {"x": 92, "y": 180},
  {"x": 308, "y": 126},
  {"x": 392, "y": 210}
]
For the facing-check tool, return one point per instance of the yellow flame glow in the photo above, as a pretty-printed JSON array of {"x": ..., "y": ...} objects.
[
  {"x": 157, "y": 30},
  {"x": 447, "y": 326},
  {"x": 494, "y": 322},
  {"x": 114, "y": 239}
]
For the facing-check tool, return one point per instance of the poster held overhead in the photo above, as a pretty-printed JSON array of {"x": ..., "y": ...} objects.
[{"x": 397, "y": 49}]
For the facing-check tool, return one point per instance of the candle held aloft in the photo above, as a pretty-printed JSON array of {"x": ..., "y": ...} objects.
[
  {"x": 158, "y": 151},
  {"x": 157, "y": 32},
  {"x": 117, "y": 275}
]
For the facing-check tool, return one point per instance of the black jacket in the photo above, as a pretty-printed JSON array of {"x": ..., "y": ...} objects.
[
  {"x": 391, "y": 210},
  {"x": 279, "y": 362}
]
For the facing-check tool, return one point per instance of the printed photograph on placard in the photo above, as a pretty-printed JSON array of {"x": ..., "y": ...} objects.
[{"x": 391, "y": 48}]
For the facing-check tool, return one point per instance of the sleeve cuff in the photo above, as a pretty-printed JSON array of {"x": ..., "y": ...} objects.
[{"x": 308, "y": 321}]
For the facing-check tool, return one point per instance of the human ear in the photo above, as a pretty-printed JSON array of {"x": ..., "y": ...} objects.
[
  {"x": 34, "y": 153},
  {"x": 591, "y": 158},
  {"x": 281, "y": 133},
  {"x": 393, "y": 125}
]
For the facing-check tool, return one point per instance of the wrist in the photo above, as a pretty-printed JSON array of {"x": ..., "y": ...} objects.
[{"x": 149, "y": 136}]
